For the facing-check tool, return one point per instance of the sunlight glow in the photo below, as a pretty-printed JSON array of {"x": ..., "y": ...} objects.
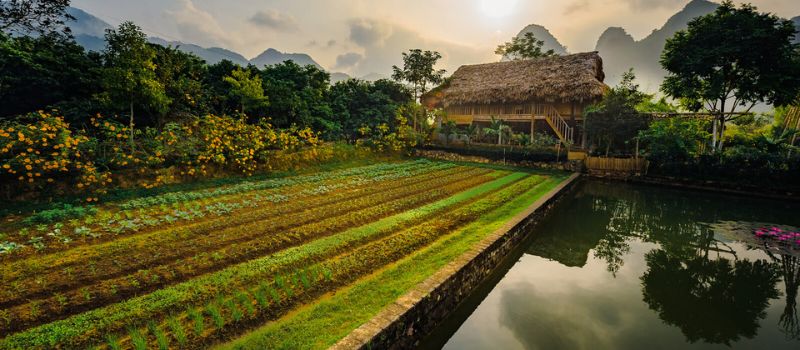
[{"x": 497, "y": 8}]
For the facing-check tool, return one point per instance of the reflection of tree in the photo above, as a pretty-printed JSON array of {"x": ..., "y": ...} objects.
[
  {"x": 790, "y": 271},
  {"x": 717, "y": 301}
]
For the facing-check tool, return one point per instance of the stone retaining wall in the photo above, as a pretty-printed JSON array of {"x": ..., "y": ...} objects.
[
  {"x": 455, "y": 157},
  {"x": 410, "y": 318}
]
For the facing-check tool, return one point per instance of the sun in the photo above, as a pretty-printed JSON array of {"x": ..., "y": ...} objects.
[{"x": 497, "y": 8}]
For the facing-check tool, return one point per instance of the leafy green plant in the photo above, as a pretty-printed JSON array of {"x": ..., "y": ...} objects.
[
  {"x": 197, "y": 321},
  {"x": 176, "y": 328},
  {"x": 138, "y": 340},
  {"x": 214, "y": 312},
  {"x": 161, "y": 339}
]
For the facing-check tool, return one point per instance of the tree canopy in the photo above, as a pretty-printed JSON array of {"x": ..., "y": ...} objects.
[
  {"x": 523, "y": 48},
  {"x": 732, "y": 58},
  {"x": 33, "y": 16}
]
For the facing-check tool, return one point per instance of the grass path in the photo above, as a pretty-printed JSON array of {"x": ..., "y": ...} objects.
[{"x": 320, "y": 324}]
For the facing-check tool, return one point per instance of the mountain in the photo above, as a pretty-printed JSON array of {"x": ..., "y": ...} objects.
[
  {"x": 89, "y": 32},
  {"x": 86, "y": 24},
  {"x": 338, "y": 76},
  {"x": 620, "y": 51},
  {"x": 272, "y": 56},
  {"x": 541, "y": 33},
  {"x": 373, "y": 77},
  {"x": 796, "y": 21},
  {"x": 210, "y": 55}
]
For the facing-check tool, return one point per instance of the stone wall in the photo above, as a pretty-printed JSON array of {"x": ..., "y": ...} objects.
[{"x": 409, "y": 319}]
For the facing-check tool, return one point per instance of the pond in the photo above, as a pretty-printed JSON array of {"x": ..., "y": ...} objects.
[{"x": 619, "y": 266}]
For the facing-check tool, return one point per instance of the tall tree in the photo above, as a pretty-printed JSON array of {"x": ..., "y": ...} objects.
[
  {"x": 182, "y": 75},
  {"x": 418, "y": 70},
  {"x": 130, "y": 74},
  {"x": 246, "y": 87},
  {"x": 732, "y": 59},
  {"x": 615, "y": 120},
  {"x": 297, "y": 95},
  {"x": 33, "y": 16},
  {"x": 524, "y": 48}
]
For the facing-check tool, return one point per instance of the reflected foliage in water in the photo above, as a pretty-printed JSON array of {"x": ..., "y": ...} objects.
[
  {"x": 696, "y": 279},
  {"x": 716, "y": 301}
]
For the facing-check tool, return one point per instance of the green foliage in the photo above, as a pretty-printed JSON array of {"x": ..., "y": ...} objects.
[
  {"x": 418, "y": 70},
  {"x": 615, "y": 120},
  {"x": 33, "y": 16},
  {"x": 675, "y": 139},
  {"x": 732, "y": 58},
  {"x": 298, "y": 96},
  {"x": 523, "y": 48},
  {"x": 48, "y": 70},
  {"x": 246, "y": 88},
  {"x": 129, "y": 77},
  {"x": 355, "y": 103},
  {"x": 448, "y": 129}
]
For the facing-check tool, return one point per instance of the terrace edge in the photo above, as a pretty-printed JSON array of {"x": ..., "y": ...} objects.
[{"x": 414, "y": 315}]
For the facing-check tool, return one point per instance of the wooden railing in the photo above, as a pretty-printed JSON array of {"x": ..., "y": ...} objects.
[
  {"x": 559, "y": 125},
  {"x": 616, "y": 165}
]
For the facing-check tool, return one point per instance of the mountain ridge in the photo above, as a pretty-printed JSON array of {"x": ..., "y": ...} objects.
[{"x": 89, "y": 32}]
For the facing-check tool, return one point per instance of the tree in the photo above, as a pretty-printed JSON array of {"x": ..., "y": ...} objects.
[
  {"x": 729, "y": 59},
  {"x": 297, "y": 96},
  {"x": 449, "y": 128},
  {"x": 471, "y": 132},
  {"x": 47, "y": 71},
  {"x": 33, "y": 16},
  {"x": 497, "y": 127},
  {"x": 615, "y": 119},
  {"x": 130, "y": 73},
  {"x": 182, "y": 75},
  {"x": 355, "y": 103},
  {"x": 246, "y": 87},
  {"x": 523, "y": 48},
  {"x": 418, "y": 70}
]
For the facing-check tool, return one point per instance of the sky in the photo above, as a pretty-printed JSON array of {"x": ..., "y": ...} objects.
[{"x": 359, "y": 37}]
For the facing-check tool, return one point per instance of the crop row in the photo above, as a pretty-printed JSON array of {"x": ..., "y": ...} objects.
[
  {"x": 85, "y": 264},
  {"x": 91, "y": 325},
  {"x": 105, "y": 292},
  {"x": 174, "y": 197},
  {"x": 286, "y": 289},
  {"x": 83, "y": 260},
  {"x": 107, "y": 223}
]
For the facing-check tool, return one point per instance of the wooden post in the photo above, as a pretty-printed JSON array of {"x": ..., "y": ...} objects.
[{"x": 533, "y": 123}]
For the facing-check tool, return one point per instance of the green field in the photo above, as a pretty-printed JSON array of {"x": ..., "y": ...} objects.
[{"x": 286, "y": 262}]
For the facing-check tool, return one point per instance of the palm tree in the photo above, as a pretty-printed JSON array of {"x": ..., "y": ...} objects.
[
  {"x": 497, "y": 127},
  {"x": 472, "y": 131},
  {"x": 449, "y": 128}
]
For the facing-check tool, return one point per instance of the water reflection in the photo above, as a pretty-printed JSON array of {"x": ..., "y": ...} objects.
[{"x": 619, "y": 266}]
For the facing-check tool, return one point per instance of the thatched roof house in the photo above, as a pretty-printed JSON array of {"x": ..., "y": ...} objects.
[{"x": 526, "y": 90}]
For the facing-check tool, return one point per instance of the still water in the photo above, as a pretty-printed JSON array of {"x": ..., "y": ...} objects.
[{"x": 620, "y": 266}]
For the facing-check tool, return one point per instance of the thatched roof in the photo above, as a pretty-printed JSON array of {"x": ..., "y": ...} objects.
[{"x": 569, "y": 78}]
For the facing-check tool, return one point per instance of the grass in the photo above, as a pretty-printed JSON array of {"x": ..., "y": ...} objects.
[{"x": 323, "y": 323}]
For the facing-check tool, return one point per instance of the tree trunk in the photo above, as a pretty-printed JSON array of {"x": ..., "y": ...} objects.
[{"x": 131, "y": 127}]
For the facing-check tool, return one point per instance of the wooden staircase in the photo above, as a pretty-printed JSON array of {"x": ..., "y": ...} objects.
[
  {"x": 792, "y": 121},
  {"x": 562, "y": 129}
]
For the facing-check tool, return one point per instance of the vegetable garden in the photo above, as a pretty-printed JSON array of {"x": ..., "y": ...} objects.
[{"x": 194, "y": 268}]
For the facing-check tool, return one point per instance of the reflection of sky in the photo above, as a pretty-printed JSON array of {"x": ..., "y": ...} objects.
[{"x": 541, "y": 304}]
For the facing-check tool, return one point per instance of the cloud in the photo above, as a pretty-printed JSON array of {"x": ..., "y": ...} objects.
[
  {"x": 348, "y": 60},
  {"x": 274, "y": 20},
  {"x": 367, "y": 32},
  {"x": 652, "y": 4},
  {"x": 331, "y": 43},
  {"x": 383, "y": 43},
  {"x": 197, "y": 26}
]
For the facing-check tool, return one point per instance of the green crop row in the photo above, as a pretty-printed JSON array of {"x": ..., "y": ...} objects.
[
  {"x": 299, "y": 285},
  {"x": 110, "y": 290},
  {"x": 104, "y": 222},
  {"x": 23, "y": 280},
  {"x": 91, "y": 325}
]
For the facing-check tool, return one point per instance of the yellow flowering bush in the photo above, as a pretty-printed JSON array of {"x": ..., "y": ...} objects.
[
  {"x": 43, "y": 150},
  {"x": 382, "y": 138}
]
